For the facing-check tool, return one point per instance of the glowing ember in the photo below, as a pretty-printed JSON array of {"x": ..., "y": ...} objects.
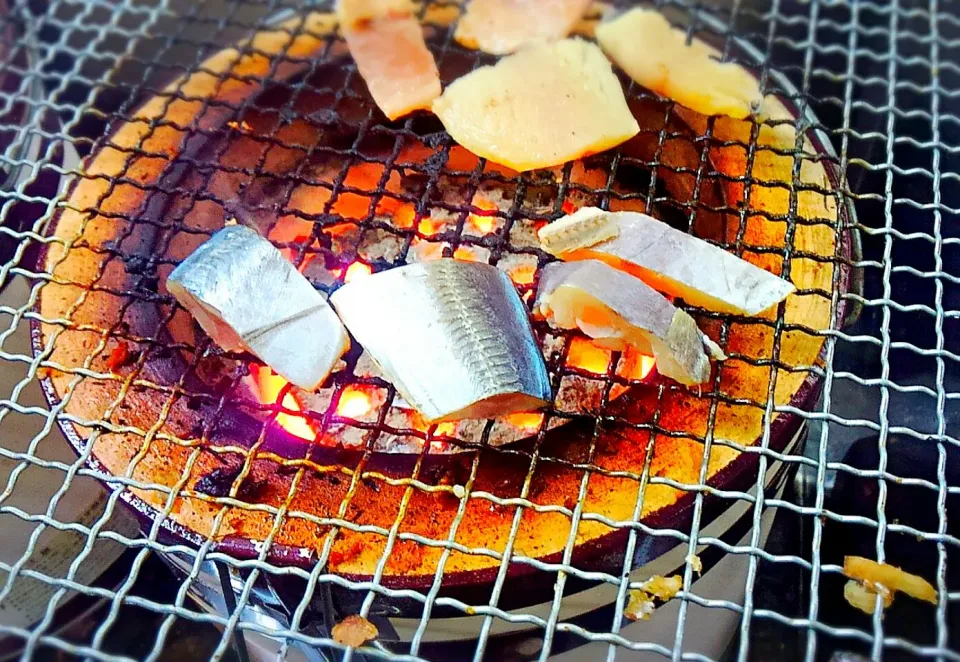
[
  {"x": 354, "y": 403},
  {"x": 357, "y": 270},
  {"x": 523, "y": 274},
  {"x": 445, "y": 430},
  {"x": 269, "y": 385},
  {"x": 467, "y": 254},
  {"x": 585, "y": 355},
  {"x": 429, "y": 226},
  {"x": 403, "y": 216},
  {"x": 526, "y": 421},
  {"x": 646, "y": 365}
]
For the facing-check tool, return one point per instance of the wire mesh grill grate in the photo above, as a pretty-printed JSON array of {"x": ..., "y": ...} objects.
[{"x": 877, "y": 80}]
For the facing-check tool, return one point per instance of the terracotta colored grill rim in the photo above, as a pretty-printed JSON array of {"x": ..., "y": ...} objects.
[{"x": 735, "y": 474}]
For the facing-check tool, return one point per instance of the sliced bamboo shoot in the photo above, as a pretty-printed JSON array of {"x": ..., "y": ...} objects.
[{"x": 540, "y": 107}]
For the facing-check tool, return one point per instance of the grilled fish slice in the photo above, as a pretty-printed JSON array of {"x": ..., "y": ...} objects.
[
  {"x": 504, "y": 26},
  {"x": 247, "y": 296},
  {"x": 656, "y": 55},
  {"x": 617, "y": 310},
  {"x": 540, "y": 107},
  {"x": 673, "y": 262},
  {"x": 386, "y": 41},
  {"x": 452, "y": 336}
]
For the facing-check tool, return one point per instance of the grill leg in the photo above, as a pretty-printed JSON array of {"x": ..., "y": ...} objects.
[{"x": 239, "y": 643}]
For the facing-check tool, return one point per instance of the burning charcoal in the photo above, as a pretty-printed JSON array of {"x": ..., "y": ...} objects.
[
  {"x": 375, "y": 32},
  {"x": 670, "y": 260},
  {"x": 247, "y": 296},
  {"x": 498, "y": 111},
  {"x": 453, "y": 337},
  {"x": 503, "y": 26},
  {"x": 618, "y": 310}
]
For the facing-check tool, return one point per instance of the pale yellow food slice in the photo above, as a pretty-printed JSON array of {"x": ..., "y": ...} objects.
[
  {"x": 656, "y": 55},
  {"x": 540, "y": 107},
  {"x": 505, "y": 26}
]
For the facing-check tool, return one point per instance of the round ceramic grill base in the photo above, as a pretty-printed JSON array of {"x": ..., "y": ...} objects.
[{"x": 879, "y": 76}]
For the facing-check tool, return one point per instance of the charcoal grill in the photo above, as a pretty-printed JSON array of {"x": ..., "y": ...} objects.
[{"x": 318, "y": 505}]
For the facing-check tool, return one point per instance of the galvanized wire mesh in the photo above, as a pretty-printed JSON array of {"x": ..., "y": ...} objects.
[{"x": 883, "y": 80}]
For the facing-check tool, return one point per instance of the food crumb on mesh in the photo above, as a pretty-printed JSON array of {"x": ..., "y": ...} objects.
[
  {"x": 863, "y": 597},
  {"x": 695, "y": 563},
  {"x": 640, "y": 604},
  {"x": 877, "y": 577},
  {"x": 354, "y": 631}
]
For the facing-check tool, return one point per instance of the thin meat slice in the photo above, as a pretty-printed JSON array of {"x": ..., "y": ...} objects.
[
  {"x": 505, "y": 26},
  {"x": 540, "y": 107},
  {"x": 386, "y": 42}
]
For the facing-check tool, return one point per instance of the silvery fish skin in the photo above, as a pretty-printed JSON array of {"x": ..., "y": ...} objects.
[
  {"x": 247, "y": 296},
  {"x": 683, "y": 265},
  {"x": 453, "y": 337},
  {"x": 617, "y": 309}
]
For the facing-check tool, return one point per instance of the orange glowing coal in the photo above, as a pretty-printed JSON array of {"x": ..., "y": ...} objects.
[
  {"x": 586, "y": 356},
  {"x": 483, "y": 223},
  {"x": 526, "y": 421},
  {"x": 356, "y": 270},
  {"x": 467, "y": 254},
  {"x": 354, "y": 403},
  {"x": 269, "y": 386}
]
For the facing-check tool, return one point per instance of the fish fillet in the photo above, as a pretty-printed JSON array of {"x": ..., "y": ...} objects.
[
  {"x": 386, "y": 42},
  {"x": 505, "y": 26},
  {"x": 540, "y": 107},
  {"x": 453, "y": 337},
  {"x": 247, "y": 296},
  {"x": 617, "y": 310},
  {"x": 675, "y": 262},
  {"x": 657, "y": 56}
]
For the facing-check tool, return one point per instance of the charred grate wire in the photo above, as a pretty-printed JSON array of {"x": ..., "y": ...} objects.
[{"x": 76, "y": 64}]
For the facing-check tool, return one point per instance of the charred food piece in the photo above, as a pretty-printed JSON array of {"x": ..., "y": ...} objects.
[
  {"x": 657, "y": 56},
  {"x": 386, "y": 41},
  {"x": 667, "y": 259},
  {"x": 452, "y": 336},
  {"x": 505, "y": 26},
  {"x": 617, "y": 310},
  {"x": 540, "y": 107},
  {"x": 247, "y": 296}
]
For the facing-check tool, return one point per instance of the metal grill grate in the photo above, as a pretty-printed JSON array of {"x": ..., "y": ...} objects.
[{"x": 878, "y": 81}]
